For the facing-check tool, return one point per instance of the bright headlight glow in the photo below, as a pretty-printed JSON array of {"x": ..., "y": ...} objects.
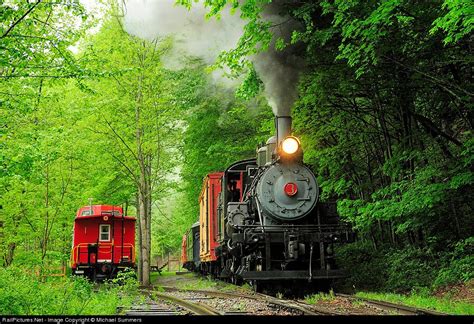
[{"x": 290, "y": 145}]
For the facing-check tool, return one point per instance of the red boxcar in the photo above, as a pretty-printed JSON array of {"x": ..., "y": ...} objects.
[{"x": 103, "y": 243}]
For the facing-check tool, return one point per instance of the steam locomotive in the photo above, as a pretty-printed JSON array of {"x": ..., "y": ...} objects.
[{"x": 260, "y": 221}]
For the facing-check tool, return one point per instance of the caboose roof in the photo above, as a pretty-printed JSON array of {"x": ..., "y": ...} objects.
[{"x": 98, "y": 211}]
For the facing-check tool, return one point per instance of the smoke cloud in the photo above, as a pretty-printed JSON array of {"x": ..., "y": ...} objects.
[
  {"x": 206, "y": 38},
  {"x": 280, "y": 69}
]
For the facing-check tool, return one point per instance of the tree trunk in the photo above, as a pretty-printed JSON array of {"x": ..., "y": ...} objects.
[
  {"x": 8, "y": 256},
  {"x": 140, "y": 240},
  {"x": 143, "y": 191},
  {"x": 145, "y": 248},
  {"x": 44, "y": 241}
]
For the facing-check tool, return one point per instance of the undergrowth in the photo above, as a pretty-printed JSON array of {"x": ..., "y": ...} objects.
[
  {"x": 24, "y": 294},
  {"x": 443, "y": 305},
  {"x": 313, "y": 299}
]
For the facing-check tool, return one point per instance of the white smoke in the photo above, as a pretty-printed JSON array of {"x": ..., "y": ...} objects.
[{"x": 194, "y": 35}]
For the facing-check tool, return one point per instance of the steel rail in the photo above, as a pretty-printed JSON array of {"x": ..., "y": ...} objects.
[
  {"x": 193, "y": 307},
  {"x": 303, "y": 309},
  {"x": 402, "y": 309},
  {"x": 307, "y": 309}
]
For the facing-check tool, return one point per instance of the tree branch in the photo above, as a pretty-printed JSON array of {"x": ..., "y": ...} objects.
[
  {"x": 21, "y": 18},
  {"x": 120, "y": 137}
]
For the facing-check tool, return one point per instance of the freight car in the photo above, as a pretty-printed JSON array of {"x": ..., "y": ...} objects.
[
  {"x": 103, "y": 242},
  {"x": 190, "y": 248},
  {"x": 261, "y": 222}
]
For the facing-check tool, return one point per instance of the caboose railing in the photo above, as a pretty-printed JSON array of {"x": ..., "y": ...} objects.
[{"x": 77, "y": 251}]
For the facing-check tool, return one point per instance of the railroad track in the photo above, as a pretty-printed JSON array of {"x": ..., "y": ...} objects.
[
  {"x": 392, "y": 307},
  {"x": 287, "y": 307},
  {"x": 175, "y": 301},
  {"x": 159, "y": 304},
  {"x": 296, "y": 307}
]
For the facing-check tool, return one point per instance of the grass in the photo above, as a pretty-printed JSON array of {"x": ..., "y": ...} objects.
[
  {"x": 358, "y": 303},
  {"x": 168, "y": 274},
  {"x": 200, "y": 284},
  {"x": 313, "y": 299},
  {"x": 228, "y": 287},
  {"x": 155, "y": 276},
  {"x": 443, "y": 305},
  {"x": 246, "y": 288},
  {"x": 159, "y": 289}
]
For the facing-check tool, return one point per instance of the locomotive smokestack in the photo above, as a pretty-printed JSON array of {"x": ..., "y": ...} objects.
[{"x": 283, "y": 127}]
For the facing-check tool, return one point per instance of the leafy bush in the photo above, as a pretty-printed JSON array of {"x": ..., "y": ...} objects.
[
  {"x": 411, "y": 269},
  {"x": 23, "y": 294},
  {"x": 365, "y": 266},
  {"x": 459, "y": 265}
]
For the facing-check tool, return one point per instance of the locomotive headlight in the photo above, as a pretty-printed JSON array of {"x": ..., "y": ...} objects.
[{"x": 290, "y": 145}]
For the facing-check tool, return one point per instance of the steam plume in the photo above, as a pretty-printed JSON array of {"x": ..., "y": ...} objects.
[
  {"x": 194, "y": 35},
  {"x": 279, "y": 69}
]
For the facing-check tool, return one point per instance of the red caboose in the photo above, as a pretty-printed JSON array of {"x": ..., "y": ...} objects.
[{"x": 104, "y": 242}]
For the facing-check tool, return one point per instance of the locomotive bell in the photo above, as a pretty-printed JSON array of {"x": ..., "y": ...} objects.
[{"x": 287, "y": 191}]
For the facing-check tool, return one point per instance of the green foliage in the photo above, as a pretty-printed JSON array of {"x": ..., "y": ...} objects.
[
  {"x": 42, "y": 156},
  {"x": 384, "y": 115},
  {"x": 458, "y": 21},
  {"x": 313, "y": 299},
  {"x": 365, "y": 266},
  {"x": 424, "y": 302},
  {"x": 21, "y": 293},
  {"x": 251, "y": 86},
  {"x": 412, "y": 269},
  {"x": 459, "y": 264},
  {"x": 36, "y": 39}
]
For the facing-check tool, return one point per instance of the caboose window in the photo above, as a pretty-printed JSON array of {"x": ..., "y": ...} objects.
[{"x": 104, "y": 233}]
